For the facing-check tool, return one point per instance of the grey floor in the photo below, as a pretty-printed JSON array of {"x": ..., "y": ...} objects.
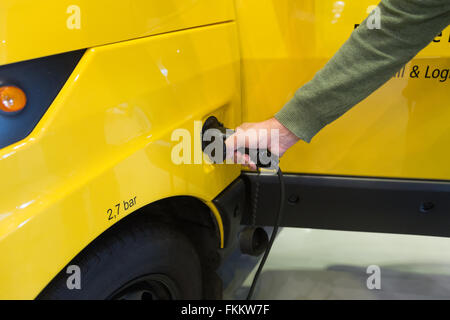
[{"x": 320, "y": 264}]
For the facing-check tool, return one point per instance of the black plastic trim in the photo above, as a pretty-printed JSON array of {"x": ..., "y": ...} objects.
[
  {"x": 41, "y": 79},
  {"x": 419, "y": 207}
]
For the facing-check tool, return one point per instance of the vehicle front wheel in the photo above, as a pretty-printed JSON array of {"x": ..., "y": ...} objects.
[{"x": 139, "y": 261}]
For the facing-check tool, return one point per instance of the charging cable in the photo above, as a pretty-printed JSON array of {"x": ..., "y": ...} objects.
[
  {"x": 272, "y": 236},
  {"x": 260, "y": 157}
]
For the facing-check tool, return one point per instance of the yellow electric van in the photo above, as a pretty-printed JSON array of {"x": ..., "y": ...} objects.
[{"x": 93, "y": 205}]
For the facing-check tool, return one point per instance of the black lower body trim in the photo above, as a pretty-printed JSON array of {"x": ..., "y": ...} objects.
[{"x": 419, "y": 207}]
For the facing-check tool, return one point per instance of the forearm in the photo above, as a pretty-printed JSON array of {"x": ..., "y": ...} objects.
[{"x": 367, "y": 60}]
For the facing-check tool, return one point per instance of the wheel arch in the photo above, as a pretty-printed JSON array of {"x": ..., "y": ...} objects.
[{"x": 198, "y": 220}]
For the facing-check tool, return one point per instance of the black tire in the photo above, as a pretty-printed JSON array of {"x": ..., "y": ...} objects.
[{"x": 144, "y": 260}]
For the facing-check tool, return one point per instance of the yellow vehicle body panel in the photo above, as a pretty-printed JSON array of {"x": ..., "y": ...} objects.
[
  {"x": 30, "y": 29},
  {"x": 106, "y": 139},
  {"x": 402, "y": 130}
]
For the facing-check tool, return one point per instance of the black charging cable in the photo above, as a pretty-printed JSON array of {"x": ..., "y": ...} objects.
[
  {"x": 261, "y": 161},
  {"x": 273, "y": 235}
]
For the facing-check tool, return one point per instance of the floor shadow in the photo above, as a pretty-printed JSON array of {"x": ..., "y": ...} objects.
[{"x": 349, "y": 282}]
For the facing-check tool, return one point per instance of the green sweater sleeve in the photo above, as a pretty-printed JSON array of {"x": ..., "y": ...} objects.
[{"x": 368, "y": 59}]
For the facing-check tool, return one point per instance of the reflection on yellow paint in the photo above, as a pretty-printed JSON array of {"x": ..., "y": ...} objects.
[{"x": 338, "y": 7}]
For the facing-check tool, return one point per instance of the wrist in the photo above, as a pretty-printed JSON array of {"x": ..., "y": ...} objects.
[
  {"x": 286, "y": 138},
  {"x": 285, "y": 133}
]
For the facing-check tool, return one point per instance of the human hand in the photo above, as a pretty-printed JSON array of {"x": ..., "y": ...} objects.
[{"x": 269, "y": 134}]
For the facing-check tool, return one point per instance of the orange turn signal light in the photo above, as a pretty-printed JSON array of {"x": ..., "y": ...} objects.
[{"x": 12, "y": 99}]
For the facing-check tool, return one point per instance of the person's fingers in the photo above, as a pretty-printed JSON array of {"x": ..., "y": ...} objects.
[
  {"x": 245, "y": 125},
  {"x": 244, "y": 159},
  {"x": 241, "y": 138},
  {"x": 247, "y": 138},
  {"x": 267, "y": 135},
  {"x": 240, "y": 158},
  {"x": 254, "y": 136},
  {"x": 252, "y": 166},
  {"x": 230, "y": 144},
  {"x": 250, "y": 136}
]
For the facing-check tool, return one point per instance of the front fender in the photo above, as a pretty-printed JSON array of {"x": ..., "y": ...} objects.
[{"x": 103, "y": 149}]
